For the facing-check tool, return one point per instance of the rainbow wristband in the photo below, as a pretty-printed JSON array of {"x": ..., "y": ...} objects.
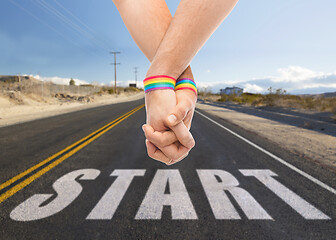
[
  {"x": 159, "y": 82},
  {"x": 186, "y": 83}
]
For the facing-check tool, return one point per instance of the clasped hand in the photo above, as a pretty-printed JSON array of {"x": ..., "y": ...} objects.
[{"x": 169, "y": 116}]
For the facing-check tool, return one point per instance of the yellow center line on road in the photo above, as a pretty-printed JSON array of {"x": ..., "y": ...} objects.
[{"x": 82, "y": 143}]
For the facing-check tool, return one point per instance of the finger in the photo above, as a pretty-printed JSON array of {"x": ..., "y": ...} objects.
[
  {"x": 178, "y": 113},
  {"x": 188, "y": 119},
  {"x": 159, "y": 139},
  {"x": 175, "y": 152},
  {"x": 178, "y": 160},
  {"x": 183, "y": 135},
  {"x": 156, "y": 153}
]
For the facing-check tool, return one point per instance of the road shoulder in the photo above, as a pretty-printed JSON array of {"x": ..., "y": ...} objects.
[
  {"x": 23, "y": 113},
  {"x": 308, "y": 144}
]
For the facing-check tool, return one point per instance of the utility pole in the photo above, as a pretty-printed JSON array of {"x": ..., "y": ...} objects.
[
  {"x": 135, "y": 72},
  {"x": 115, "y": 70}
]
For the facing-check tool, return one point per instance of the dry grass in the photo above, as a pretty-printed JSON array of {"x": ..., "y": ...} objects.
[
  {"x": 110, "y": 90},
  {"x": 47, "y": 92},
  {"x": 281, "y": 99}
]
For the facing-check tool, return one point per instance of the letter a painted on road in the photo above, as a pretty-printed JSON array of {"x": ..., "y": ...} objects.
[
  {"x": 178, "y": 198},
  {"x": 219, "y": 201},
  {"x": 67, "y": 191}
]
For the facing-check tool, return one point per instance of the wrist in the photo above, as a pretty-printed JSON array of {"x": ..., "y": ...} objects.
[
  {"x": 186, "y": 84},
  {"x": 163, "y": 67},
  {"x": 187, "y": 74},
  {"x": 159, "y": 82}
]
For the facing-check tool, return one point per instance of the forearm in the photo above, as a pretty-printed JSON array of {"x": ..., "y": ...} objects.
[
  {"x": 192, "y": 25},
  {"x": 147, "y": 21}
]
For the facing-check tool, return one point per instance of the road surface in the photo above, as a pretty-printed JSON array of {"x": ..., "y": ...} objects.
[{"x": 86, "y": 175}]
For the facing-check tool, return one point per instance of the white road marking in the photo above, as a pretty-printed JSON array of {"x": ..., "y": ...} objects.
[
  {"x": 109, "y": 203},
  {"x": 178, "y": 198},
  {"x": 305, "y": 209},
  {"x": 220, "y": 204},
  {"x": 311, "y": 178},
  {"x": 67, "y": 189}
]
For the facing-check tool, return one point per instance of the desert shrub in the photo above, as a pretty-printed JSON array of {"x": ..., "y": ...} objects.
[
  {"x": 223, "y": 98},
  {"x": 131, "y": 89},
  {"x": 250, "y": 98},
  {"x": 280, "y": 98},
  {"x": 309, "y": 103},
  {"x": 110, "y": 90},
  {"x": 204, "y": 92},
  {"x": 72, "y": 82}
]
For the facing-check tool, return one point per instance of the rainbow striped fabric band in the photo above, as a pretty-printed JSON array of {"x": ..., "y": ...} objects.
[
  {"x": 186, "y": 83},
  {"x": 159, "y": 82}
]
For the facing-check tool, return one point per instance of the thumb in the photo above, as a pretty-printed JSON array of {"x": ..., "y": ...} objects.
[{"x": 178, "y": 114}]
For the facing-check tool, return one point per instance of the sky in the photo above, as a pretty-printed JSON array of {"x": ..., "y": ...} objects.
[{"x": 287, "y": 44}]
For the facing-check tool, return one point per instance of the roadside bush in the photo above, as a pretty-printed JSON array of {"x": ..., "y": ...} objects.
[
  {"x": 131, "y": 89},
  {"x": 280, "y": 98},
  {"x": 110, "y": 90}
]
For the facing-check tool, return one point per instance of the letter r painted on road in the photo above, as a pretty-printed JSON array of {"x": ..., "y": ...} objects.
[
  {"x": 219, "y": 201},
  {"x": 178, "y": 198},
  {"x": 67, "y": 189},
  {"x": 305, "y": 209},
  {"x": 108, "y": 204}
]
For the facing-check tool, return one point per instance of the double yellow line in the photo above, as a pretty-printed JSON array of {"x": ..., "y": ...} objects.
[{"x": 75, "y": 147}]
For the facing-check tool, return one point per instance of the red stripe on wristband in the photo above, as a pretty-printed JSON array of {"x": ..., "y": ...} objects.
[{"x": 186, "y": 83}]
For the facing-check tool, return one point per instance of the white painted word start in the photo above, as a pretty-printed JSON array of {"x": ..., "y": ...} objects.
[{"x": 68, "y": 189}]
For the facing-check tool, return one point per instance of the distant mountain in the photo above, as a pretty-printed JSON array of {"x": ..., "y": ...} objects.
[
  {"x": 326, "y": 95},
  {"x": 329, "y": 94}
]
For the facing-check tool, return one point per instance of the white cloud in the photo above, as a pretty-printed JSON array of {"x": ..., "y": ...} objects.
[
  {"x": 218, "y": 83},
  {"x": 253, "y": 88},
  {"x": 296, "y": 74},
  {"x": 317, "y": 85},
  {"x": 294, "y": 79},
  {"x": 59, "y": 80},
  {"x": 126, "y": 83}
]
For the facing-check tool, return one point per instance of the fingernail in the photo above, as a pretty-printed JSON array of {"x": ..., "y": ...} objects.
[{"x": 172, "y": 119}]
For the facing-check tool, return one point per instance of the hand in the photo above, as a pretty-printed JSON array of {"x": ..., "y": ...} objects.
[
  {"x": 183, "y": 112},
  {"x": 159, "y": 104}
]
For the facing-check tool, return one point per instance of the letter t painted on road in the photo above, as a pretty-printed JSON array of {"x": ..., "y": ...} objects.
[{"x": 108, "y": 204}]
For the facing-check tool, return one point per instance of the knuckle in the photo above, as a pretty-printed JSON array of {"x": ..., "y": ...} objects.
[
  {"x": 160, "y": 142},
  {"x": 186, "y": 138}
]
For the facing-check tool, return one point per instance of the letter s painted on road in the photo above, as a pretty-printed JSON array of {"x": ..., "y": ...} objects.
[{"x": 67, "y": 189}]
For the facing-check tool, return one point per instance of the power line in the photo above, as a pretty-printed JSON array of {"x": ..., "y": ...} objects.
[
  {"x": 49, "y": 26},
  {"x": 67, "y": 22},
  {"x": 115, "y": 70},
  {"x": 102, "y": 39},
  {"x": 61, "y": 17}
]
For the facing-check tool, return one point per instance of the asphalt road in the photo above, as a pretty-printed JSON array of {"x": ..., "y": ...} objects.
[{"x": 105, "y": 187}]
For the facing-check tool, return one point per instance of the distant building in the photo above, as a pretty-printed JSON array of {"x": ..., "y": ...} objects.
[
  {"x": 232, "y": 91},
  {"x": 132, "y": 85}
]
